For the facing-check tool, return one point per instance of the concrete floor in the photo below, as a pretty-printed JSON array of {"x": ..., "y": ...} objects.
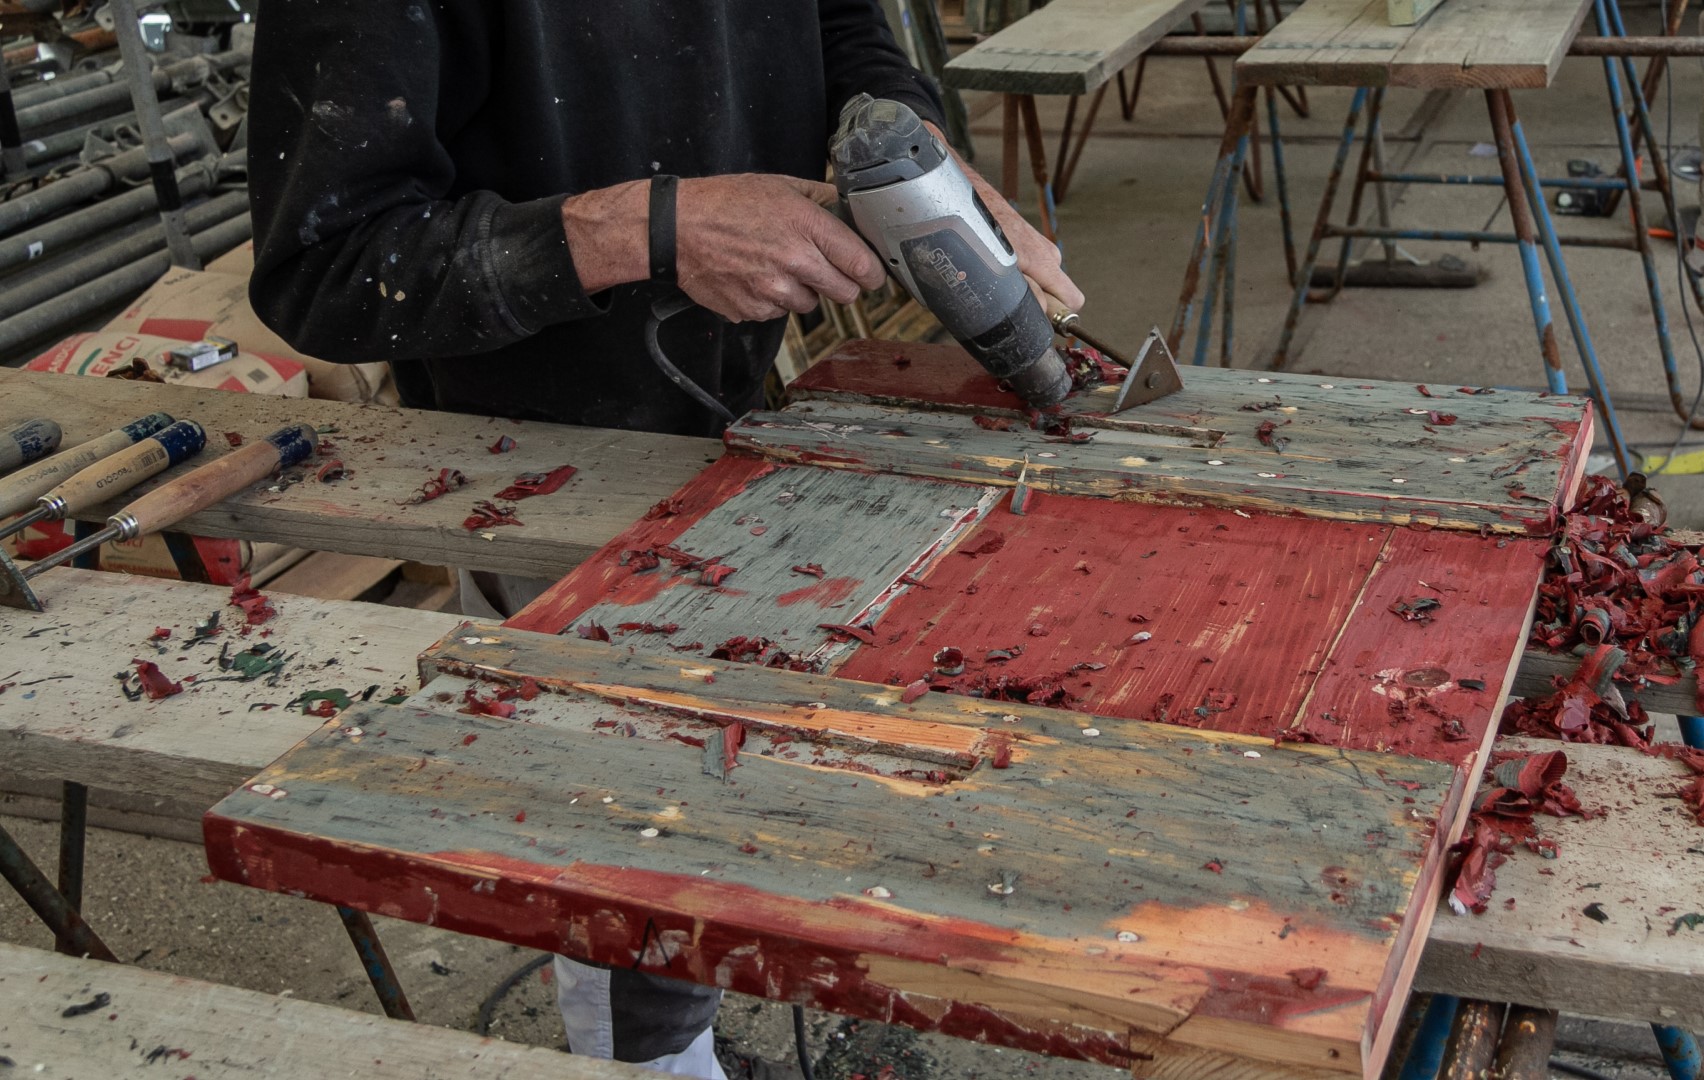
[{"x": 1126, "y": 228}]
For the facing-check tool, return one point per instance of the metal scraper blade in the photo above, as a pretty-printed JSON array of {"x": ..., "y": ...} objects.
[
  {"x": 1151, "y": 377},
  {"x": 15, "y": 589}
]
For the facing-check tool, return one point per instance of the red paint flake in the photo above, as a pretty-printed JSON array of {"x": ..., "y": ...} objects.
[
  {"x": 591, "y": 631},
  {"x": 824, "y": 594},
  {"x": 914, "y": 691},
  {"x": 487, "y": 515},
  {"x": 759, "y": 530},
  {"x": 235, "y": 438},
  {"x": 715, "y": 575},
  {"x": 749, "y": 848},
  {"x": 992, "y": 423},
  {"x": 469, "y": 739},
  {"x": 733, "y": 737},
  {"x": 528, "y": 689},
  {"x": 474, "y": 705},
  {"x": 1214, "y": 865},
  {"x": 160, "y": 633},
  {"x": 666, "y": 508},
  {"x": 256, "y": 607},
  {"x": 842, "y": 631},
  {"x": 503, "y": 445},
  {"x": 639, "y": 560},
  {"x": 645, "y": 628},
  {"x": 1000, "y": 753},
  {"x": 989, "y": 546},
  {"x": 445, "y": 482},
  {"x": 520, "y": 816},
  {"x": 1424, "y": 392},
  {"x": 1265, "y": 433},
  {"x": 810, "y": 568},
  {"x": 1441, "y": 419},
  {"x": 1307, "y": 978},
  {"x": 333, "y": 470},
  {"x": 154, "y": 681},
  {"x": 527, "y": 485}
]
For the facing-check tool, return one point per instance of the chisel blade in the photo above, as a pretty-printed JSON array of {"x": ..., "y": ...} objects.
[{"x": 15, "y": 591}]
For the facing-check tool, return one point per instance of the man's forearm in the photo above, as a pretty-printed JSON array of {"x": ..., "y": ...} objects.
[{"x": 608, "y": 234}]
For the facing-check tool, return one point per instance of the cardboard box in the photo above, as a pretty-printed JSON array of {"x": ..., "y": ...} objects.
[
  {"x": 104, "y": 351},
  {"x": 188, "y": 305}
]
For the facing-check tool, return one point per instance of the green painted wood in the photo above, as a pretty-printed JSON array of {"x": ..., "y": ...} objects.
[
  {"x": 1375, "y": 464},
  {"x": 1164, "y": 884},
  {"x": 863, "y": 531}
]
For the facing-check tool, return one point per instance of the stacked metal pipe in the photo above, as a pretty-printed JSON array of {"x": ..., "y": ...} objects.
[{"x": 80, "y": 224}]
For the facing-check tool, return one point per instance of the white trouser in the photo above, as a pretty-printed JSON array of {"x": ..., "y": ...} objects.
[{"x": 582, "y": 993}]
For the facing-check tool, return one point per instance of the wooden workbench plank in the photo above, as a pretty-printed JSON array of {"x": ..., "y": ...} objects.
[
  {"x": 1643, "y": 860},
  {"x": 1473, "y": 44},
  {"x": 1531, "y": 447},
  {"x": 1042, "y": 968},
  {"x": 224, "y": 1033},
  {"x": 1540, "y": 668},
  {"x": 74, "y": 724},
  {"x": 863, "y": 532},
  {"x": 391, "y": 452},
  {"x": 1068, "y": 47}
]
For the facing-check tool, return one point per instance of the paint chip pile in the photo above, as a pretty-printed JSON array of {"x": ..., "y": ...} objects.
[{"x": 1629, "y": 601}]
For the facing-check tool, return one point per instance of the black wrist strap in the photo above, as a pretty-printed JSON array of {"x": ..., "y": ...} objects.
[{"x": 662, "y": 228}]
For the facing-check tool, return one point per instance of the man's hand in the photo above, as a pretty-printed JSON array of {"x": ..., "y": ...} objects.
[
  {"x": 749, "y": 247},
  {"x": 1038, "y": 257},
  {"x": 754, "y": 247}
]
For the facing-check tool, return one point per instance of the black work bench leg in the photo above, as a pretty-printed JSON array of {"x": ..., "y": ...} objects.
[{"x": 75, "y": 935}]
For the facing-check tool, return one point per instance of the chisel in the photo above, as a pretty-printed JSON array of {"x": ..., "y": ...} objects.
[
  {"x": 26, "y": 442},
  {"x": 170, "y": 503},
  {"x": 20, "y": 490},
  {"x": 116, "y": 473}
]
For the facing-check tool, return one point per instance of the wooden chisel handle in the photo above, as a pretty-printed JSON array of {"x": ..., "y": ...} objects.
[
  {"x": 193, "y": 492},
  {"x": 26, "y": 442},
  {"x": 20, "y": 490},
  {"x": 118, "y": 473}
]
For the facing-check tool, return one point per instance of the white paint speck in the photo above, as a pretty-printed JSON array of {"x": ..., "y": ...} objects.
[
  {"x": 1251, "y": 753},
  {"x": 1000, "y": 888},
  {"x": 1214, "y": 461},
  {"x": 609, "y": 798},
  {"x": 1398, "y": 480},
  {"x": 1090, "y": 732},
  {"x": 877, "y": 892},
  {"x": 1263, "y": 380},
  {"x": 1327, "y": 386},
  {"x": 1267, "y": 475},
  {"x": 648, "y": 833},
  {"x": 1129, "y": 936}
]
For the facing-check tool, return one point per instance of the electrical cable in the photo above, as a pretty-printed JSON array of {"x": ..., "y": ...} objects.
[
  {"x": 1681, "y": 244},
  {"x": 799, "y": 1044},
  {"x": 488, "y": 1007},
  {"x": 664, "y": 309}
]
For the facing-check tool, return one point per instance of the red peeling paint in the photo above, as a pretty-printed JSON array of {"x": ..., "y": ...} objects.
[{"x": 824, "y": 594}]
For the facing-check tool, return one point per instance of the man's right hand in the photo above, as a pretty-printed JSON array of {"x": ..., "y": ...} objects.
[{"x": 753, "y": 247}]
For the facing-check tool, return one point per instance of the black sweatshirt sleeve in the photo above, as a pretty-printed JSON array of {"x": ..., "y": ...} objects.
[
  {"x": 860, "y": 56},
  {"x": 359, "y": 252}
]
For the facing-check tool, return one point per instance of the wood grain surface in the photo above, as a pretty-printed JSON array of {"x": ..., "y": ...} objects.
[
  {"x": 863, "y": 883},
  {"x": 1350, "y": 449},
  {"x": 391, "y": 453},
  {"x": 63, "y": 716},
  {"x": 1470, "y": 44},
  {"x": 1643, "y": 860},
  {"x": 168, "y": 1025},
  {"x": 1067, "y": 47}
]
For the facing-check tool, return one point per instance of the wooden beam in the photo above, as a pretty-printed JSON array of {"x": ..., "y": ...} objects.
[
  {"x": 1467, "y": 44},
  {"x": 391, "y": 452},
  {"x": 223, "y": 1033},
  {"x": 1067, "y": 47},
  {"x": 1151, "y": 869}
]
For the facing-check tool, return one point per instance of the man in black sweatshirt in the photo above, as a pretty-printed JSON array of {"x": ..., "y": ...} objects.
[{"x": 463, "y": 188}]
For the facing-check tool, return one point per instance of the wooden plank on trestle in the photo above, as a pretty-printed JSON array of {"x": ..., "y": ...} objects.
[
  {"x": 859, "y": 533},
  {"x": 1472, "y": 44},
  {"x": 390, "y": 453},
  {"x": 225, "y": 1033},
  {"x": 1146, "y": 892},
  {"x": 1067, "y": 47},
  {"x": 63, "y": 717},
  {"x": 1642, "y": 859}
]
